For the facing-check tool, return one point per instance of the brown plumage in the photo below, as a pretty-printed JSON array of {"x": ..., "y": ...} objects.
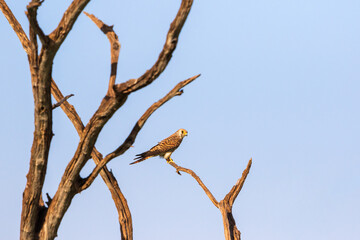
[{"x": 164, "y": 148}]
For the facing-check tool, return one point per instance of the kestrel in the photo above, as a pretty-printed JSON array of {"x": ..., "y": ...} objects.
[{"x": 164, "y": 148}]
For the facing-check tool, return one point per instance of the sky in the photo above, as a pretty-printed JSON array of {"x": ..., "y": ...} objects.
[{"x": 279, "y": 84}]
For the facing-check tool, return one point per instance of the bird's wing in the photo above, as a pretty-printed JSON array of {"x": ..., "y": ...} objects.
[{"x": 167, "y": 145}]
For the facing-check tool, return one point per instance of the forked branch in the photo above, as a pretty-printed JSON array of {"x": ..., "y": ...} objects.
[{"x": 225, "y": 206}]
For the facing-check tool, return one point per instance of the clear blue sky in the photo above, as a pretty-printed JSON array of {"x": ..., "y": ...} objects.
[{"x": 280, "y": 83}]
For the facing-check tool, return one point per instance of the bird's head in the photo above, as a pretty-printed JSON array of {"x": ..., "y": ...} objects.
[{"x": 182, "y": 132}]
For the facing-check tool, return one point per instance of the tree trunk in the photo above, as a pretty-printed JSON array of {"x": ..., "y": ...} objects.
[{"x": 230, "y": 230}]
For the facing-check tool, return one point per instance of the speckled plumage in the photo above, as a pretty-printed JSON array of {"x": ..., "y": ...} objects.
[{"x": 164, "y": 148}]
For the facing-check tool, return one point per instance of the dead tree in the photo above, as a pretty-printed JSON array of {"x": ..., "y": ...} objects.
[
  {"x": 40, "y": 221},
  {"x": 225, "y": 206}
]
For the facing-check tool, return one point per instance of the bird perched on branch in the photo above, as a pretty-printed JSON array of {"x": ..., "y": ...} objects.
[{"x": 164, "y": 148}]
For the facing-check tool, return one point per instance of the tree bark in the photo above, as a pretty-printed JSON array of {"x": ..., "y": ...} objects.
[{"x": 230, "y": 230}]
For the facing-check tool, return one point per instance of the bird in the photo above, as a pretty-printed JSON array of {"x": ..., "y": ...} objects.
[{"x": 164, "y": 148}]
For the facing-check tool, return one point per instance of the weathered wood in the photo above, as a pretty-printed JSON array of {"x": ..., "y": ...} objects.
[
  {"x": 37, "y": 221},
  {"x": 230, "y": 230}
]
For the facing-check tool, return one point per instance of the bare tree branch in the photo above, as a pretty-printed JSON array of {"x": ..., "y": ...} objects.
[
  {"x": 32, "y": 17},
  {"x": 16, "y": 26},
  {"x": 125, "y": 219},
  {"x": 115, "y": 49},
  {"x": 61, "y": 101},
  {"x": 193, "y": 174},
  {"x": 120, "y": 202},
  {"x": 170, "y": 44},
  {"x": 176, "y": 91}
]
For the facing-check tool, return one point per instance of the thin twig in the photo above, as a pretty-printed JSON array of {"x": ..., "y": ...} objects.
[
  {"x": 61, "y": 101},
  {"x": 49, "y": 199}
]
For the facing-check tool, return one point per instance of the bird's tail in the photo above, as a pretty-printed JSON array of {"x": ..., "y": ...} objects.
[{"x": 140, "y": 157}]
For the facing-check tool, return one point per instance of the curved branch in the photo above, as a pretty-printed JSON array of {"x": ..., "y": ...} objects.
[
  {"x": 170, "y": 44},
  {"x": 176, "y": 91},
  {"x": 193, "y": 174},
  {"x": 115, "y": 49}
]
